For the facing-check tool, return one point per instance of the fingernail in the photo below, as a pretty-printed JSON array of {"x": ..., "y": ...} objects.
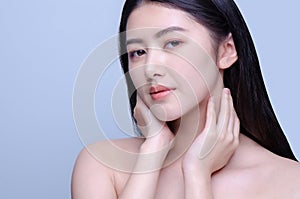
[{"x": 227, "y": 91}]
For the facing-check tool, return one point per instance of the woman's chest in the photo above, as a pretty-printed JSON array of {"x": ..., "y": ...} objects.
[{"x": 170, "y": 185}]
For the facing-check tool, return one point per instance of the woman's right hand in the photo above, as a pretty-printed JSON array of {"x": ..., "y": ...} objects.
[
  {"x": 150, "y": 160},
  {"x": 157, "y": 133}
]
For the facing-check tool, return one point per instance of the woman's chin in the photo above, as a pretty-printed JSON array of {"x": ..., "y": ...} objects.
[{"x": 169, "y": 117}]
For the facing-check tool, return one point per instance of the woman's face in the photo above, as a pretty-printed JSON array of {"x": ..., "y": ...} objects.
[{"x": 171, "y": 60}]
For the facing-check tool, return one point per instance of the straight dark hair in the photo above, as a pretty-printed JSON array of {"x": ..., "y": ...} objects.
[{"x": 243, "y": 78}]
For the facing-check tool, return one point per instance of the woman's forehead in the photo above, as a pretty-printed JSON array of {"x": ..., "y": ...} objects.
[
  {"x": 158, "y": 16},
  {"x": 149, "y": 21}
]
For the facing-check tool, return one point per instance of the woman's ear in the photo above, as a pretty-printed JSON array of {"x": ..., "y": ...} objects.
[{"x": 227, "y": 54}]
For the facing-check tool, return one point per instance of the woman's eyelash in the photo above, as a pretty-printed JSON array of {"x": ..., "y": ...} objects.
[
  {"x": 169, "y": 45},
  {"x": 173, "y": 43},
  {"x": 136, "y": 53}
]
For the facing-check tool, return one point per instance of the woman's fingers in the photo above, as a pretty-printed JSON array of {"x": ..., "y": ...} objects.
[
  {"x": 210, "y": 115},
  {"x": 143, "y": 116},
  {"x": 158, "y": 136},
  {"x": 224, "y": 113},
  {"x": 146, "y": 121},
  {"x": 217, "y": 142},
  {"x": 232, "y": 115},
  {"x": 209, "y": 135},
  {"x": 233, "y": 122},
  {"x": 140, "y": 113}
]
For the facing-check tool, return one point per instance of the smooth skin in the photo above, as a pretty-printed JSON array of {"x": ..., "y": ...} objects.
[{"x": 220, "y": 162}]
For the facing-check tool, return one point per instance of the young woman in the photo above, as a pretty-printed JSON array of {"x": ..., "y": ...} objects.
[{"x": 200, "y": 101}]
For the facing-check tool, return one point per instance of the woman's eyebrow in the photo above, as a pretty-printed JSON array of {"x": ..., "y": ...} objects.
[
  {"x": 132, "y": 41},
  {"x": 168, "y": 30},
  {"x": 158, "y": 34}
]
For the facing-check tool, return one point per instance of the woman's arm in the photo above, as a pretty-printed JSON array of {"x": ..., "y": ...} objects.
[
  {"x": 143, "y": 182},
  {"x": 212, "y": 149},
  {"x": 91, "y": 179}
]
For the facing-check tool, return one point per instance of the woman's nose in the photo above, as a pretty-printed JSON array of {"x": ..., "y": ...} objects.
[{"x": 154, "y": 67}]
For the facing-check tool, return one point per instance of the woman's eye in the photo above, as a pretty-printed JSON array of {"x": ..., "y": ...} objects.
[
  {"x": 137, "y": 53},
  {"x": 173, "y": 44}
]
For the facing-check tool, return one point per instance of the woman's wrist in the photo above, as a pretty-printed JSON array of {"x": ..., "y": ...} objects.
[
  {"x": 197, "y": 184},
  {"x": 192, "y": 165},
  {"x": 198, "y": 173}
]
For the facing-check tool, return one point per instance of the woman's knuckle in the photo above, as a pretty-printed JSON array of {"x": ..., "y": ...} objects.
[
  {"x": 229, "y": 138},
  {"x": 221, "y": 136},
  {"x": 238, "y": 121}
]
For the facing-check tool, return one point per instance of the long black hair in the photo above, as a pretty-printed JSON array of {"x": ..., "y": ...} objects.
[{"x": 243, "y": 78}]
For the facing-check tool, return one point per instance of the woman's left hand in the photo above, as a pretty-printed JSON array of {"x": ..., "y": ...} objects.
[{"x": 213, "y": 148}]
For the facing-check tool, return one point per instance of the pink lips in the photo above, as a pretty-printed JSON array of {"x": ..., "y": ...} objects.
[{"x": 159, "y": 92}]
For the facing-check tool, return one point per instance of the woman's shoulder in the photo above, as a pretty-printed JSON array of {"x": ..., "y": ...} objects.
[
  {"x": 287, "y": 176},
  {"x": 262, "y": 172},
  {"x": 131, "y": 145},
  {"x": 281, "y": 176},
  {"x": 105, "y": 151},
  {"x": 102, "y": 160}
]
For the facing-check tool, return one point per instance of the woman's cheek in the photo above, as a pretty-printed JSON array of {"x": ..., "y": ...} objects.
[{"x": 202, "y": 67}]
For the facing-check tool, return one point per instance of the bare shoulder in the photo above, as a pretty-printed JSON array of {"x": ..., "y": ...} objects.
[
  {"x": 287, "y": 173},
  {"x": 281, "y": 175},
  {"x": 96, "y": 165},
  {"x": 258, "y": 173}
]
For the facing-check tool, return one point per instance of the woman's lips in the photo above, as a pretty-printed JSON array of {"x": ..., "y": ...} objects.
[{"x": 159, "y": 92}]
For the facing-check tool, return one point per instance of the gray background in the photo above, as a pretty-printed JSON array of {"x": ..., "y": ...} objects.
[{"x": 42, "y": 45}]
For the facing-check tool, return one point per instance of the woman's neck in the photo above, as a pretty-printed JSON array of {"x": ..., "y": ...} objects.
[{"x": 190, "y": 125}]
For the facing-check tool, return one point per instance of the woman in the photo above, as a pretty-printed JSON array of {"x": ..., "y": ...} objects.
[{"x": 199, "y": 100}]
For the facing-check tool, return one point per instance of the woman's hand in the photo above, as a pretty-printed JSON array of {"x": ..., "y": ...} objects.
[
  {"x": 157, "y": 133},
  {"x": 213, "y": 148},
  {"x": 159, "y": 138}
]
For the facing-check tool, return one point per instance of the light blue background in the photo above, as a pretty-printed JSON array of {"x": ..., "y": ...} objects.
[{"x": 42, "y": 45}]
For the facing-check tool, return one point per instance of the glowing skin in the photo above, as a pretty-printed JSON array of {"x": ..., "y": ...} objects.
[
  {"x": 174, "y": 53},
  {"x": 175, "y": 68}
]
